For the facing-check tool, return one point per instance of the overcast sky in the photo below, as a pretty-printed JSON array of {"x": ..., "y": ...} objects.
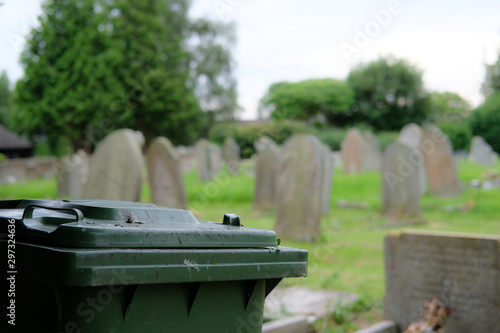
[{"x": 300, "y": 39}]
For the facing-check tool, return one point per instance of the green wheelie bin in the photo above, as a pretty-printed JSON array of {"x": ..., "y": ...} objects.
[{"x": 78, "y": 266}]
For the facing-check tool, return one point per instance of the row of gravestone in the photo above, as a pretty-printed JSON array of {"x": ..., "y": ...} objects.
[
  {"x": 114, "y": 171},
  {"x": 209, "y": 158},
  {"x": 417, "y": 156},
  {"x": 361, "y": 151},
  {"x": 295, "y": 180}
]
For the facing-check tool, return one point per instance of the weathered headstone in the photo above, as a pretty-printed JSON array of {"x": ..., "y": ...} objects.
[
  {"x": 232, "y": 156},
  {"x": 411, "y": 135},
  {"x": 116, "y": 168},
  {"x": 208, "y": 158},
  {"x": 463, "y": 270},
  {"x": 440, "y": 166},
  {"x": 216, "y": 159},
  {"x": 401, "y": 183},
  {"x": 299, "y": 189},
  {"x": 262, "y": 142},
  {"x": 266, "y": 163},
  {"x": 481, "y": 152},
  {"x": 327, "y": 179},
  {"x": 371, "y": 152},
  {"x": 165, "y": 176},
  {"x": 352, "y": 152},
  {"x": 72, "y": 175}
]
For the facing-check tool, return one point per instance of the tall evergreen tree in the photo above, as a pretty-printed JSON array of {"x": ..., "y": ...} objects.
[{"x": 68, "y": 84}]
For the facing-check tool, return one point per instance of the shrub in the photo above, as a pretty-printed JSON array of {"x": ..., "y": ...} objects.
[
  {"x": 485, "y": 121},
  {"x": 459, "y": 133},
  {"x": 246, "y": 134}
]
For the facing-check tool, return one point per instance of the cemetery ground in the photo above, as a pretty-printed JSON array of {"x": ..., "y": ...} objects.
[{"x": 349, "y": 253}]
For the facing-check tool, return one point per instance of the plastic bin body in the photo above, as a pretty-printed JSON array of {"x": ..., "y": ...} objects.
[{"x": 164, "y": 273}]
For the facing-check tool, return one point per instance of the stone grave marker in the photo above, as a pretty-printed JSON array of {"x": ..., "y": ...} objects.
[
  {"x": 165, "y": 176},
  {"x": 371, "y": 152},
  {"x": 481, "y": 152},
  {"x": 299, "y": 188},
  {"x": 266, "y": 164},
  {"x": 208, "y": 158},
  {"x": 216, "y": 159},
  {"x": 411, "y": 135},
  {"x": 463, "y": 270},
  {"x": 352, "y": 152},
  {"x": 401, "y": 183},
  {"x": 327, "y": 179},
  {"x": 116, "y": 168},
  {"x": 232, "y": 156},
  {"x": 72, "y": 175},
  {"x": 262, "y": 142},
  {"x": 439, "y": 163}
]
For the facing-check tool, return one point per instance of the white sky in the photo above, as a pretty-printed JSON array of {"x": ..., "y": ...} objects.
[{"x": 299, "y": 39}]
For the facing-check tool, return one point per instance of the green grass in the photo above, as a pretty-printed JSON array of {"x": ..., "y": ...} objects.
[{"x": 349, "y": 254}]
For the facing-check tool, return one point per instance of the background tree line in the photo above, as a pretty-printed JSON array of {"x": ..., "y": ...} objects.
[
  {"x": 97, "y": 65},
  {"x": 384, "y": 95}
]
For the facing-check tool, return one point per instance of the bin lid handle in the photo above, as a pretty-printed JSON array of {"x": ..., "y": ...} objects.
[{"x": 48, "y": 224}]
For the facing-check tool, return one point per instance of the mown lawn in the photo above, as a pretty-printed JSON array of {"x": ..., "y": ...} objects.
[{"x": 349, "y": 254}]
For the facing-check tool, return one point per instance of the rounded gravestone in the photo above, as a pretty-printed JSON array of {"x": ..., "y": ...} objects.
[
  {"x": 440, "y": 166},
  {"x": 371, "y": 152},
  {"x": 266, "y": 164},
  {"x": 116, "y": 166},
  {"x": 411, "y": 135},
  {"x": 164, "y": 173},
  {"x": 232, "y": 156},
  {"x": 352, "y": 152},
  {"x": 299, "y": 188},
  {"x": 401, "y": 183},
  {"x": 481, "y": 152}
]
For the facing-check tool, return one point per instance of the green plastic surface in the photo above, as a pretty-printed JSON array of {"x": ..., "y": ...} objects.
[{"x": 118, "y": 224}]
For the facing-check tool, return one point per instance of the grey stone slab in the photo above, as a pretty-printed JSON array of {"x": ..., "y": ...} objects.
[
  {"x": 462, "y": 270},
  {"x": 440, "y": 166},
  {"x": 327, "y": 171},
  {"x": 372, "y": 156},
  {"x": 165, "y": 176},
  {"x": 481, "y": 152},
  {"x": 231, "y": 152},
  {"x": 72, "y": 175},
  {"x": 296, "y": 324},
  {"x": 352, "y": 152},
  {"x": 299, "y": 188},
  {"x": 209, "y": 159},
  {"x": 401, "y": 174},
  {"x": 266, "y": 164},
  {"x": 301, "y": 301},
  {"x": 116, "y": 167},
  {"x": 411, "y": 135},
  {"x": 385, "y": 326}
]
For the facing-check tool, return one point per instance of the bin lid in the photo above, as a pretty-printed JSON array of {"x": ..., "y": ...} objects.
[{"x": 120, "y": 224}]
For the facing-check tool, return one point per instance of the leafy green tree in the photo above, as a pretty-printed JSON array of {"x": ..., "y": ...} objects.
[
  {"x": 447, "y": 106},
  {"x": 485, "y": 120},
  {"x": 491, "y": 83},
  {"x": 308, "y": 100},
  {"x": 68, "y": 84},
  {"x": 389, "y": 93},
  {"x": 5, "y": 100}
]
